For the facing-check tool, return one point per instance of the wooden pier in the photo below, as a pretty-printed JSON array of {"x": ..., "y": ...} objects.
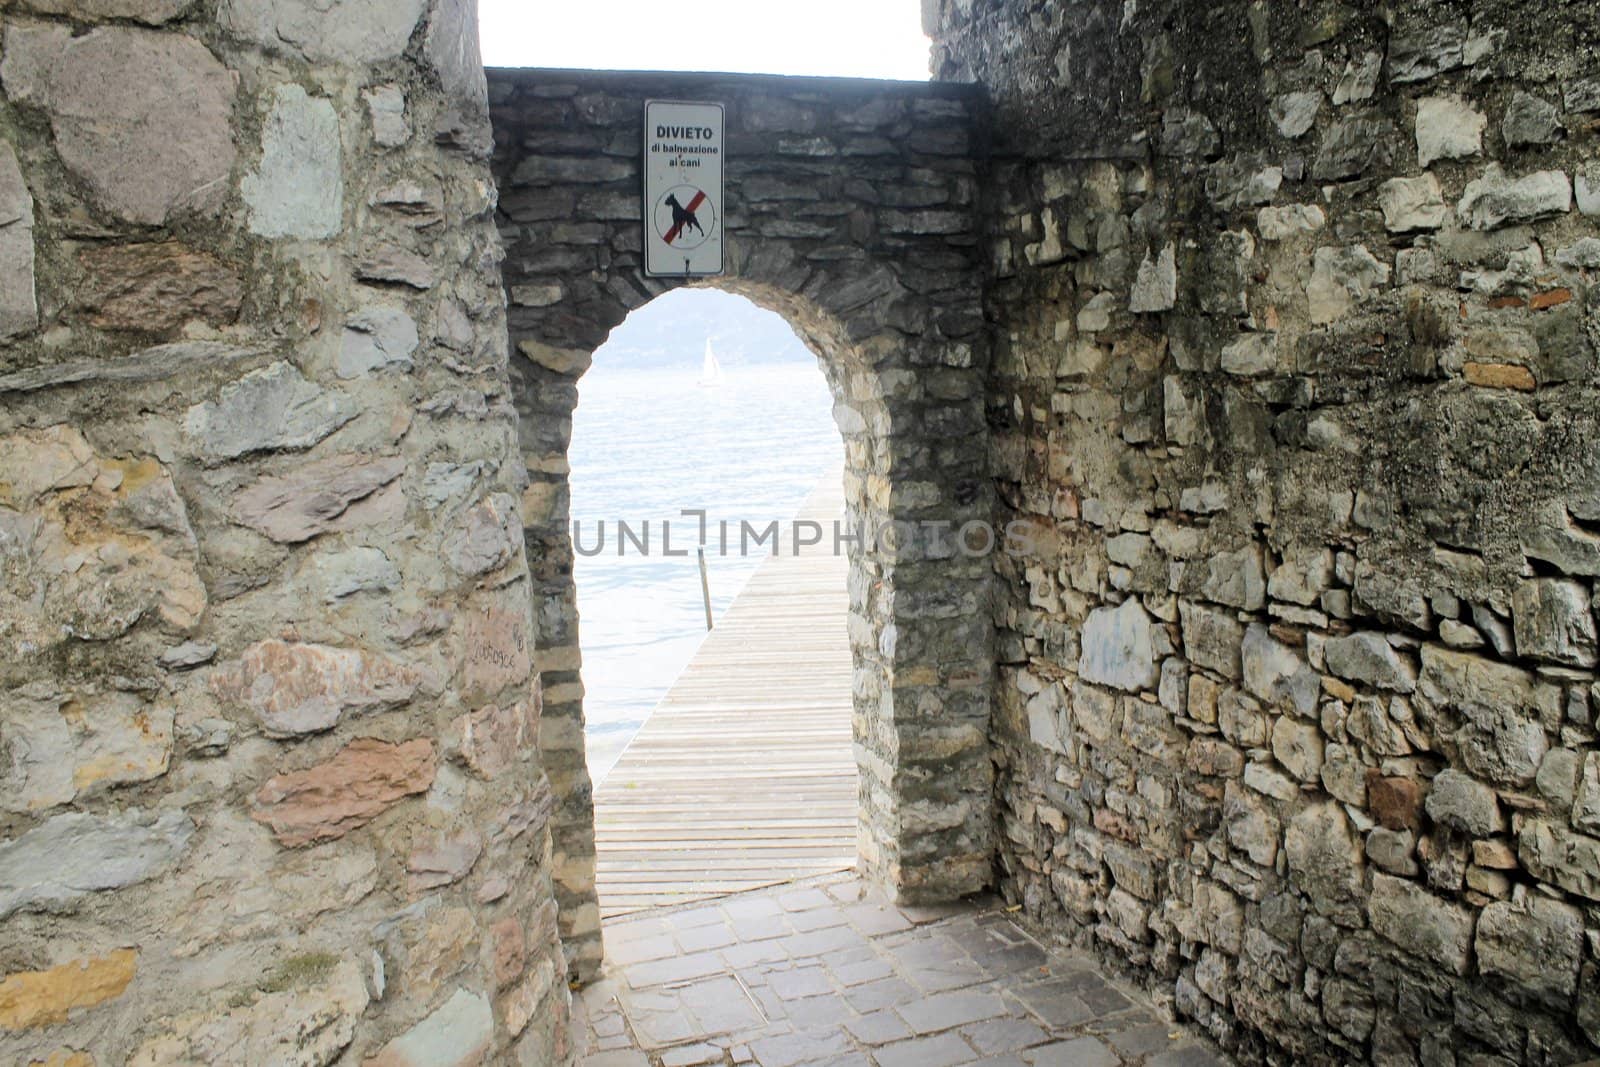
[{"x": 744, "y": 775}]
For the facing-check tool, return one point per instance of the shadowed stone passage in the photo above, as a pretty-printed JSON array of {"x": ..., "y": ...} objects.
[
  {"x": 850, "y": 210},
  {"x": 829, "y": 972},
  {"x": 1286, "y": 318}
]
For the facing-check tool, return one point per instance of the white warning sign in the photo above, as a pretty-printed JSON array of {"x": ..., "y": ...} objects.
[{"x": 683, "y": 154}]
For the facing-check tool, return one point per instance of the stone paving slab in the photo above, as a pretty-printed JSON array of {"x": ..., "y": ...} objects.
[{"x": 825, "y": 974}]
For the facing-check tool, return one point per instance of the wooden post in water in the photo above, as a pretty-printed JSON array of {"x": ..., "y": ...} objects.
[{"x": 705, "y": 585}]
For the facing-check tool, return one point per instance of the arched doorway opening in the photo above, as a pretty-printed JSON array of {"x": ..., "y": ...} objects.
[
  {"x": 867, "y": 244},
  {"x": 707, "y": 484}
]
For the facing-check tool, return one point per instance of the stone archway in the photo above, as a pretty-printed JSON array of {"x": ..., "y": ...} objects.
[{"x": 853, "y": 215}]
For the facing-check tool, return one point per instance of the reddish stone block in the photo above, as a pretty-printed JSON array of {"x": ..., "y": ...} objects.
[
  {"x": 510, "y": 951},
  {"x": 1553, "y": 298},
  {"x": 366, "y": 778},
  {"x": 1500, "y": 376},
  {"x": 1395, "y": 802},
  {"x": 1109, "y": 822},
  {"x": 156, "y": 288}
]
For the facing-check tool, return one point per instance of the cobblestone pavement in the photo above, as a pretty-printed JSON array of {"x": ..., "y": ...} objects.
[{"x": 822, "y": 972}]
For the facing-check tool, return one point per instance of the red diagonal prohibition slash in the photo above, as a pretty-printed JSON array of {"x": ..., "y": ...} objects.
[{"x": 694, "y": 205}]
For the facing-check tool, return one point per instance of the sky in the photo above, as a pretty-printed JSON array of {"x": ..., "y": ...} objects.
[{"x": 837, "y": 38}]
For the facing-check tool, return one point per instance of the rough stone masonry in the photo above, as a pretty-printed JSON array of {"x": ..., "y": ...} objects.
[
  {"x": 852, "y": 211},
  {"x": 1295, "y": 318},
  {"x": 269, "y": 789},
  {"x": 1284, "y": 321}
]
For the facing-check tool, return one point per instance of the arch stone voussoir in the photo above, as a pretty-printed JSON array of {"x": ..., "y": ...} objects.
[{"x": 851, "y": 210}]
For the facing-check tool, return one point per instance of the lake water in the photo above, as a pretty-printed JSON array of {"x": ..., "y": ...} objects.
[{"x": 649, "y": 440}]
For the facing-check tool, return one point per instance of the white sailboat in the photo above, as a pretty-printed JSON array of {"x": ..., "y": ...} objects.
[{"x": 710, "y": 369}]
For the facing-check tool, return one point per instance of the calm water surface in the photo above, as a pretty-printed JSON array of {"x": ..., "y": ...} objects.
[{"x": 649, "y": 440}]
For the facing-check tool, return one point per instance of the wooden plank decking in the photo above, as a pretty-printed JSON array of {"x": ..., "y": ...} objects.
[{"x": 744, "y": 774}]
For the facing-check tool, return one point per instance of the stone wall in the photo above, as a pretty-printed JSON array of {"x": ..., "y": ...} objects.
[
  {"x": 269, "y": 791},
  {"x": 1293, "y": 377},
  {"x": 1295, "y": 374},
  {"x": 852, "y": 212}
]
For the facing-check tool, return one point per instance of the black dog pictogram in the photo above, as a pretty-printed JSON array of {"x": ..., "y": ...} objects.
[{"x": 682, "y": 217}]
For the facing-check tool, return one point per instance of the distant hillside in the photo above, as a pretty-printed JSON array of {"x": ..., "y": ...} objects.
[{"x": 671, "y": 331}]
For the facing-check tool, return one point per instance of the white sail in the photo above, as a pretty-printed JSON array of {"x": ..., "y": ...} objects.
[{"x": 710, "y": 369}]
